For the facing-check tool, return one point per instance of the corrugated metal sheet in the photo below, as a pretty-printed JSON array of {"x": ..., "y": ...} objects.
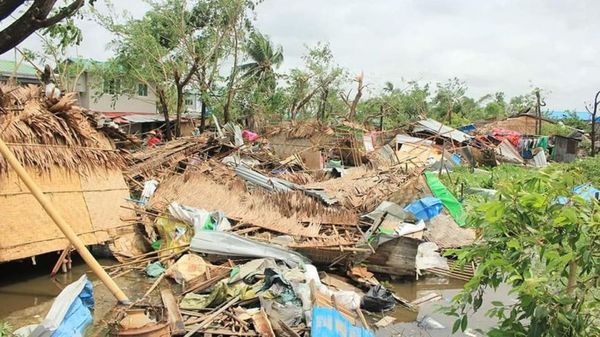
[
  {"x": 406, "y": 139},
  {"x": 276, "y": 184},
  {"x": 229, "y": 244},
  {"x": 133, "y": 119},
  {"x": 435, "y": 127}
]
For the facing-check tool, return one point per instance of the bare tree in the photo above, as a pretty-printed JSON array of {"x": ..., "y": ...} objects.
[
  {"x": 38, "y": 16},
  {"x": 593, "y": 111},
  {"x": 359, "y": 89}
]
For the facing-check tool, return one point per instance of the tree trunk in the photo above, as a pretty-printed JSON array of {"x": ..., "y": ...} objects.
[
  {"x": 7, "y": 7},
  {"x": 36, "y": 17},
  {"x": 354, "y": 105},
  {"x": 203, "y": 117},
  {"x": 323, "y": 105},
  {"x": 232, "y": 76},
  {"x": 180, "y": 100},
  {"x": 165, "y": 111},
  {"x": 593, "y": 131},
  {"x": 293, "y": 110}
]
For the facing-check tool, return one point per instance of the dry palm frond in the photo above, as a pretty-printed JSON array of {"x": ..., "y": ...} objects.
[{"x": 44, "y": 134}]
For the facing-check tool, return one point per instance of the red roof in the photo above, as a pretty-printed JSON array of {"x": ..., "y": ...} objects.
[{"x": 114, "y": 114}]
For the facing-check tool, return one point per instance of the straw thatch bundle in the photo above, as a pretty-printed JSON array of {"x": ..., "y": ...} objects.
[
  {"x": 300, "y": 129},
  {"x": 45, "y": 132}
]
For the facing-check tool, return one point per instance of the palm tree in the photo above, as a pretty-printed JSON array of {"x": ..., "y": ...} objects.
[
  {"x": 264, "y": 58},
  {"x": 388, "y": 87}
]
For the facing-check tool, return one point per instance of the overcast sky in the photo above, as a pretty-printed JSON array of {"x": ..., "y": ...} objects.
[{"x": 508, "y": 46}]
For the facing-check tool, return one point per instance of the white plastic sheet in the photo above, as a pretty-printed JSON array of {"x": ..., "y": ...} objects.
[
  {"x": 198, "y": 217},
  {"x": 229, "y": 244},
  {"x": 428, "y": 257},
  {"x": 57, "y": 312}
]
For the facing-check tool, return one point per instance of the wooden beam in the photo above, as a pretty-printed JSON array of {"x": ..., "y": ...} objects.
[{"x": 174, "y": 315}]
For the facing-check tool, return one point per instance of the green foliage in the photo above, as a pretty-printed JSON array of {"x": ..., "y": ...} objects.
[
  {"x": 573, "y": 121},
  {"x": 312, "y": 90},
  {"x": 6, "y": 330},
  {"x": 265, "y": 57},
  {"x": 545, "y": 252},
  {"x": 521, "y": 103},
  {"x": 557, "y": 129},
  {"x": 399, "y": 106},
  {"x": 489, "y": 179}
]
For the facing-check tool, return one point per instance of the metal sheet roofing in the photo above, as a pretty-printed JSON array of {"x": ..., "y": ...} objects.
[
  {"x": 144, "y": 118},
  {"x": 435, "y": 127},
  {"x": 24, "y": 68},
  {"x": 406, "y": 139}
]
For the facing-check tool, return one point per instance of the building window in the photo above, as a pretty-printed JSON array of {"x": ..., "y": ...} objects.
[
  {"x": 189, "y": 102},
  {"x": 142, "y": 89},
  {"x": 111, "y": 86}
]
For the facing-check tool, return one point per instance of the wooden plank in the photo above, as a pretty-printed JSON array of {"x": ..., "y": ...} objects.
[
  {"x": 174, "y": 315},
  {"x": 59, "y": 262},
  {"x": 200, "y": 283},
  {"x": 262, "y": 324},
  {"x": 211, "y": 317}
]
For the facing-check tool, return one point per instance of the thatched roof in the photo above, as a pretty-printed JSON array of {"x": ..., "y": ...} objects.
[
  {"x": 44, "y": 132},
  {"x": 300, "y": 129}
]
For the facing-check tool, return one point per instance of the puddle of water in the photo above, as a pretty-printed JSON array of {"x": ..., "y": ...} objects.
[
  {"x": 27, "y": 291},
  {"x": 24, "y": 285},
  {"x": 406, "y": 323}
]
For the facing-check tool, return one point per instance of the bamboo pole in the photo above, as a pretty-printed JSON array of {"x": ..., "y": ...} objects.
[{"x": 62, "y": 224}]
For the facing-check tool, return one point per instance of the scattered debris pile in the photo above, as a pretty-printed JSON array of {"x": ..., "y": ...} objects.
[{"x": 241, "y": 227}]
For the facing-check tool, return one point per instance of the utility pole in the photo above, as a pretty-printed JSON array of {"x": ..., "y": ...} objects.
[{"x": 538, "y": 112}]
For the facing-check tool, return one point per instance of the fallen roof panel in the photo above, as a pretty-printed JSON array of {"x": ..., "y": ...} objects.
[{"x": 435, "y": 127}]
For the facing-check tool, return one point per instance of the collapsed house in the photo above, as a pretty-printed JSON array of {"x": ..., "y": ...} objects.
[{"x": 76, "y": 166}]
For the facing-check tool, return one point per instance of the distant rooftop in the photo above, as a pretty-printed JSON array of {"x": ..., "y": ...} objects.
[
  {"x": 85, "y": 62},
  {"x": 7, "y": 68},
  {"x": 558, "y": 115}
]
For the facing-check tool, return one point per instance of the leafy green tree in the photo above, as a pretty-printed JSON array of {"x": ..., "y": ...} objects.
[
  {"x": 521, "y": 104},
  {"x": 40, "y": 14},
  {"x": 310, "y": 88},
  {"x": 447, "y": 100},
  {"x": 398, "y": 106},
  {"x": 494, "y": 105},
  {"x": 242, "y": 26},
  {"x": 174, "y": 41},
  {"x": 541, "y": 240}
]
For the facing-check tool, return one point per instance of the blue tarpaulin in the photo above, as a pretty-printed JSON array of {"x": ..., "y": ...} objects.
[
  {"x": 78, "y": 316},
  {"x": 467, "y": 128},
  {"x": 586, "y": 191},
  {"x": 426, "y": 208},
  {"x": 328, "y": 322},
  {"x": 69, "y": 315}
]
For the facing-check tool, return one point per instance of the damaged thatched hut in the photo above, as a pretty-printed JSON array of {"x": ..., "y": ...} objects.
[{"x": 75, "y": 165}]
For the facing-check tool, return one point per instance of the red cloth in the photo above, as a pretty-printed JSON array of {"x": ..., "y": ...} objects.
[
  {"x": 153, "y": 141},
  {"x": 249, "y": 135},
  {"x": 513, "y": 136}
]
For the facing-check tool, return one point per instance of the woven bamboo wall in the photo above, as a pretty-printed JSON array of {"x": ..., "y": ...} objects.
[{"x": 90, "y": 203}]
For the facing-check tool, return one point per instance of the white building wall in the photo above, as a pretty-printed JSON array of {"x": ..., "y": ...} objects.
[{"x": 89, "y": 97}]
